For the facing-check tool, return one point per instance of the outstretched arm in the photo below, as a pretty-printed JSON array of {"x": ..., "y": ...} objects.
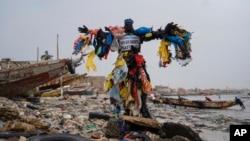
[{"x": 147, "y": 34}]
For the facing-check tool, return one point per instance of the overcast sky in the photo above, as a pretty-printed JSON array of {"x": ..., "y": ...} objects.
[{"x": 220, "y": 43}]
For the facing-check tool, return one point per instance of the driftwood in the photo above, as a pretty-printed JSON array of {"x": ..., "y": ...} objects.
[
  {"x": 98, "y": 115},
  {"x": 146, "y": 122}
]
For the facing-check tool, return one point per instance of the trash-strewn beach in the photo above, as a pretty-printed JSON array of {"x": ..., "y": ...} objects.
[{"x": 71, "y": 115}]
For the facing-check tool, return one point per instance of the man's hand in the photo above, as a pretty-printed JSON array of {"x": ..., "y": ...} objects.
[{"x": 83, "y": 29}]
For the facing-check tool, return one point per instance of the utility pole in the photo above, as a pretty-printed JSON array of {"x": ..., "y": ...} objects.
[
  {"x": 57, "y": 47},
  {"x": 37, "y": 51}
]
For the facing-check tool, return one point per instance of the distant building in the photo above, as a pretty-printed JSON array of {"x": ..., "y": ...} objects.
[
  {"x": 181, "y": 91},
  {"x": 97, "y": 82},
  {"x": 162, "y": 89}
]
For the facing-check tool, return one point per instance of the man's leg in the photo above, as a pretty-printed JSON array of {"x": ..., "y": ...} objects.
[{"x": 144, "y": 109}]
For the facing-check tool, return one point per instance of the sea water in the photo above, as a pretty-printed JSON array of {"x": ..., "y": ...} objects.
[{"x": 235, "y": 112}]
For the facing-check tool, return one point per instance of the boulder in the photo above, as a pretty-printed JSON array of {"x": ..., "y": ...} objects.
[{"x": 170, "y": 129}]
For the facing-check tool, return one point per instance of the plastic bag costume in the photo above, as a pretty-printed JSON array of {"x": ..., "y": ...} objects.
[{"x": 129, "y": 81}]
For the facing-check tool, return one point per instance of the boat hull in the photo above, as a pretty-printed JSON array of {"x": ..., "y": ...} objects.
[
  {"x": 17, "y": 81},
  {"x": 199, "y": 104},
  {"x": 62, "y": 81}
]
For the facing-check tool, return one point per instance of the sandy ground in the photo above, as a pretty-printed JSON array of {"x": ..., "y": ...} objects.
[
  {"x": 209, "y": 135},
  {"x": 212, "y": 129}
]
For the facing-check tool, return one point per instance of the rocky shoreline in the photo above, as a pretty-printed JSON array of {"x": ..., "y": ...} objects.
[{"x": 70, "y": 115}]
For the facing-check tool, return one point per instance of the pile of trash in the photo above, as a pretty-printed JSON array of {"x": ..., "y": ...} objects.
[{"x": 91, "y": 118}]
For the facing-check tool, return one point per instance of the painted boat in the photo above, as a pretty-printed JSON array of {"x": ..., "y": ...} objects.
[
  {"x": 17, "y": 77},
  {"x": 198, "y": 103},
  {"x": 52, "y": 93}
]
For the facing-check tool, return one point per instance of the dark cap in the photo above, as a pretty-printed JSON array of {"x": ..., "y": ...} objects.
[{"x": 128, "y": 21}]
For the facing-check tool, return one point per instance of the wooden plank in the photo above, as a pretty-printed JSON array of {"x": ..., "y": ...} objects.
[{"x": 146, "y": 122}]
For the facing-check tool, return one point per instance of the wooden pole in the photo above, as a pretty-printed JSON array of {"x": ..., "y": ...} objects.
[
  {"x": 37, "y": 51},
  {"x": 57, "y": 46}
]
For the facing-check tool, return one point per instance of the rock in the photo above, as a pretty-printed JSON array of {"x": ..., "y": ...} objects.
[
  {"x": 20, "y": 126},
  {"x": 13, "y": 139},
  {"x": 96, "y": 136},
  {"x": 22, "y": 138},
  {"x": 170, "y": 129},
  {"x": 8, "y": 113},
  {"x": 57, "y": 137},
  {"x": 38, "y": 123},
  {"x": 67, "y": 116},
  {"x": 102, "y": 139},
  {"x": 179, "y": 138},
  {"x": 113, "y": 129}
]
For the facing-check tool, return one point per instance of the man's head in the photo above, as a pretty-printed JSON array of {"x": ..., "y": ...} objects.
[
  {"x": 128, "y": 21},
  {"x": 128, "y": 25}
]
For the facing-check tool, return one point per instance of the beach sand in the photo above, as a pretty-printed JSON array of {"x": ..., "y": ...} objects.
[{"x": 213, "y": 135}]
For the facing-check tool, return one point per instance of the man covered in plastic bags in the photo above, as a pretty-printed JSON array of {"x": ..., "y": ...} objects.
[{"x": 129, "y": 82}]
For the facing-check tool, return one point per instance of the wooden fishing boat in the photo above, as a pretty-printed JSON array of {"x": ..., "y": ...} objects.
[
  {"x": 199, "y": 103},
  {"x": 76, "y": 91},
  {"x": 62, "y": 81},
  {"x": 17, "y": 77},
  {"x": 52, "y": 93},
  {"x": 64, "y": 91},
  {"x": 83, "y": 89}
]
